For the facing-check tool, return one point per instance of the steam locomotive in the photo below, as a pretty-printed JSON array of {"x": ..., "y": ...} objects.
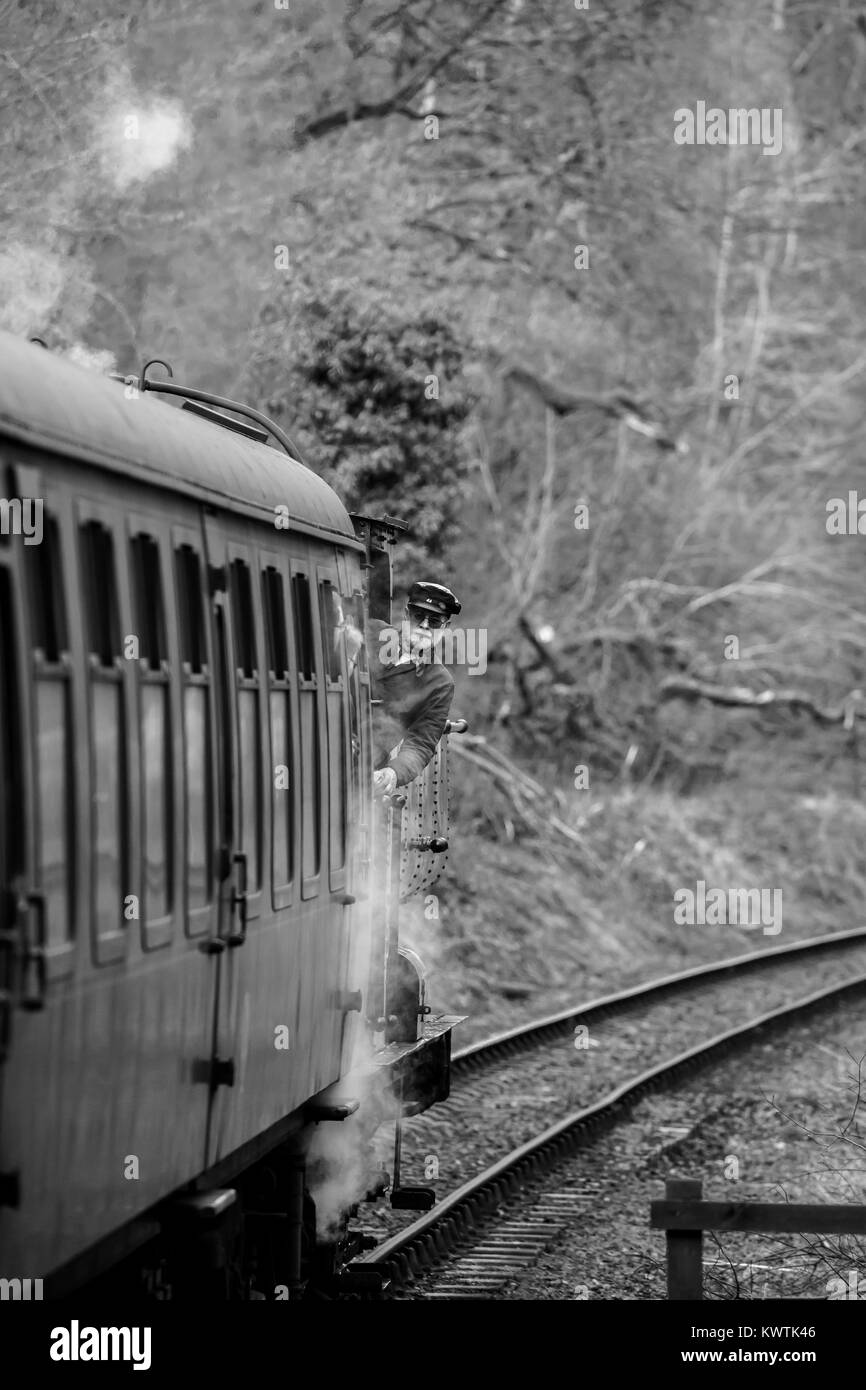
[{"x": 199, "y": 897}]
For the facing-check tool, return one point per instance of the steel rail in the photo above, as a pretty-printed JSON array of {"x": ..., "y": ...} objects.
[
  {"x": 540, "y": 1030},
  {"x": 427, "y": 1241}
]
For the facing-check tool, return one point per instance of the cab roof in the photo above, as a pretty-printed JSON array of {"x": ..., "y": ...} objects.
[{"x": 49, "y": 403}]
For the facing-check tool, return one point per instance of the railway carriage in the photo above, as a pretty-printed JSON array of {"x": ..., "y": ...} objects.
[{"x": 192, "y": 941}]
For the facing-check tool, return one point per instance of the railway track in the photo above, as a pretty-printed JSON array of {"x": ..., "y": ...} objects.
[{"x": 471, "y": 1231}]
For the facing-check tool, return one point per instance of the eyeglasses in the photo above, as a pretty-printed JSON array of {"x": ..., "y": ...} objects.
[{"x": 433, "y": 619}]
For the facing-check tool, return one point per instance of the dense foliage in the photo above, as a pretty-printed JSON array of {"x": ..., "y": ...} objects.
[
  {"x": 320, "y": 206},
  {"x": 379, "y": 397}
]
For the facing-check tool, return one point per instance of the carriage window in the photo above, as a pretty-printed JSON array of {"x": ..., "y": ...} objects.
[
  {"x": 333, "y": 628},
  {"x": 356, "y": 651},
  {"x": 100, "y": 593},
  {"x": 11, "y": 848},
  {"x": 333, "y": 637},
  {"x": 53, "y": 743},
  {"x": 249, "y": 740},
  {"x": 47, "y": 606},
  {"x": 107, "y": 733},
  {"x": 356, "y": 656},
  {"x": 242, "y": 617},
  {"x": 147, "y": 588},
  {"x": 196, "y": 727},
  {"x": 280, "y": 707},
  {"x": 155, "y": 732},
  {"x": 275, "y": 622},
  {"x": 311, "y": 791},
  {"x": 303, "y": 625},
  {"x": 192, "y": 648}
]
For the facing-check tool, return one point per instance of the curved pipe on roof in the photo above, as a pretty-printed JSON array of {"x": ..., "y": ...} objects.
[
  {"x": 50, "y": 403},
  {"x": 207, "y": 398}
]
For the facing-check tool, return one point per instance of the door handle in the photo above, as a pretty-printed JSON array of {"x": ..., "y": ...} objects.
[
  {"x": 33, "y": 974},
  {"x": 239, "y": 902}
]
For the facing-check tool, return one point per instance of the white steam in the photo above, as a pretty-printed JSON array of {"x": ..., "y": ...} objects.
[
  {"x": 94, "y": 359},
  {"x": 340, "y": 1165},
  {"x": 139, "y": 140},
  {"x": 342, "y": 1160},
  {"x": 30, "y": 283},
  {"x": 136, "y": 136},
  {"x": 44, "y": 288}
]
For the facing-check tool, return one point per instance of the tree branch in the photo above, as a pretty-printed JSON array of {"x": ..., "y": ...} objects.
[
  {"x": 531, "y": 800},
  {"x": 315, "y": 127},
  {"x": 616, "y": 404},
  {"x": 466, "y": 241},
  {"x": 852, "y": 706}
]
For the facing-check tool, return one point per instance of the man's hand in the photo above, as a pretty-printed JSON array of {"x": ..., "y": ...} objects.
[{"x": 385, "y": 781}]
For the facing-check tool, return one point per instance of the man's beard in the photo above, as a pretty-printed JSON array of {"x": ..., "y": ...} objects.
[{"x": 422, "y": 649}]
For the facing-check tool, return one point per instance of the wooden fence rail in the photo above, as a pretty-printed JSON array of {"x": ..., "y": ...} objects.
[{"x": 685, "y": 1216}]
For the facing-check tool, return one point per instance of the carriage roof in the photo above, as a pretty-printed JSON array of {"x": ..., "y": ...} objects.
[{"x": 50, "y": 403}]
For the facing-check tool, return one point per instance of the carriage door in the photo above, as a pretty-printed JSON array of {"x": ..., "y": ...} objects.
[
  {"x": 237, "y": 672},
  {"x": 241, "y": 841}
]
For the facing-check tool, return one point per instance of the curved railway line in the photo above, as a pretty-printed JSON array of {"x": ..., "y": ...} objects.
[{"x": 473, "y": 1237}]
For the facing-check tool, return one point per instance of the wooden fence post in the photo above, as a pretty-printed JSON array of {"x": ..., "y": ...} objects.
[
  {"x": 684, "y": 1216},
  {"x": 685, "y": 1248}
]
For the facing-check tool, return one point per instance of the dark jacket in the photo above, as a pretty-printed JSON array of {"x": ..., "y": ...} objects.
[{"x": 415, "y": 702}]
